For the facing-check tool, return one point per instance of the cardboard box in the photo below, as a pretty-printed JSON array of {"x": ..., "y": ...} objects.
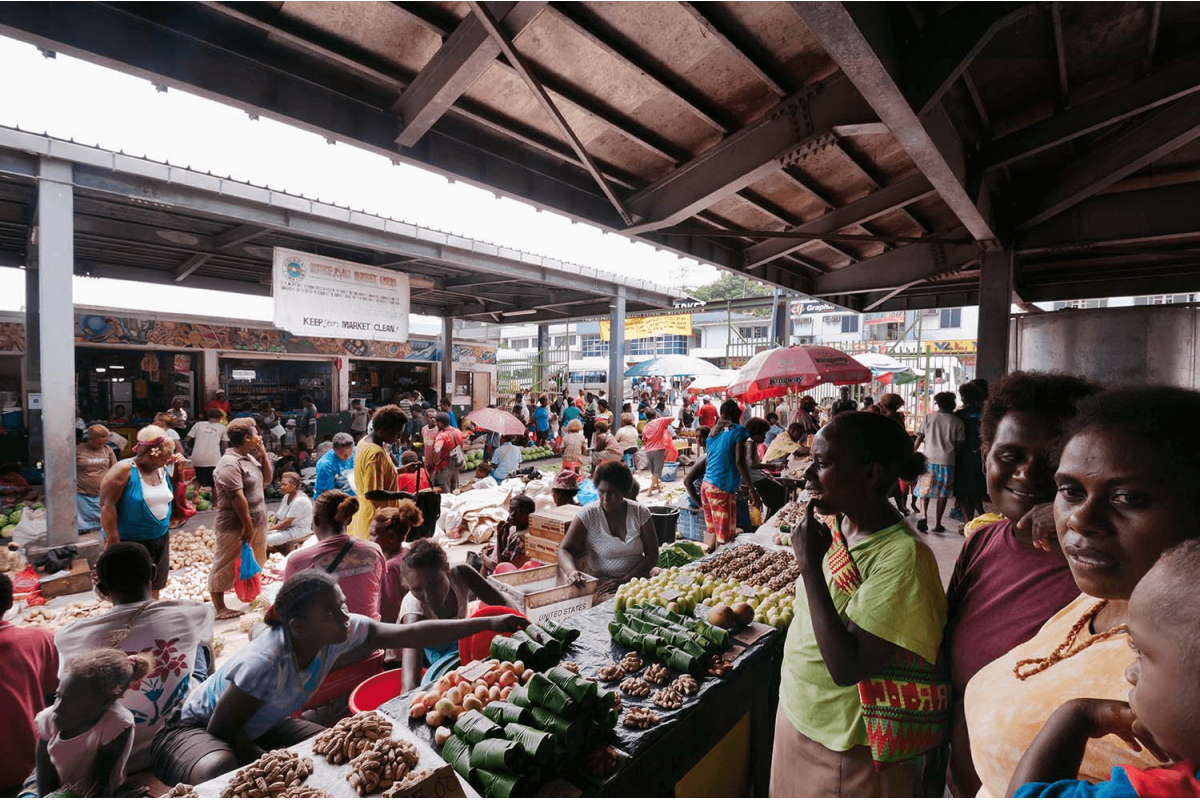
[
  {"x": 544, "y": 550},
  {"x": 77, "y": 579},
  {"x": 553, "y": 522},
  {"x": 540, "y": 594}
]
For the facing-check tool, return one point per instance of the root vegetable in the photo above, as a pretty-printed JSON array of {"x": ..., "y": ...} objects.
[
  {"x": 434, "y": 718},
  {"x": 526, "y": 675},
  {"x": 418, "y": 710},
  {"x": 441, "y": 735}
]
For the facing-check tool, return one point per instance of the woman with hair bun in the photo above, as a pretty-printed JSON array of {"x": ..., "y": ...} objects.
[
  {"x": 869, "y": 594},
  {"x": 85, "y": 738},
  {"x": 390, "y": 529},
  {"x": 358, "y": 565},
  {"x": 246, "y": 706}
]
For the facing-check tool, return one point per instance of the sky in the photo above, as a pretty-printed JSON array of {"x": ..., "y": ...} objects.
[{"x": 73, "y": 99}]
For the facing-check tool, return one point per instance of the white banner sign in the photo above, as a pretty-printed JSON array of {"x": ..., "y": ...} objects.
[{"x": 319, "y": 296}]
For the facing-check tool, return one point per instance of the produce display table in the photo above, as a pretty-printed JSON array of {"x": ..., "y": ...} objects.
[{"x": 655, "y": 760}]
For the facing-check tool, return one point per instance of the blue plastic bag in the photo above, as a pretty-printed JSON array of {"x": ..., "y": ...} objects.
[
  {"x": 587, "y": 492},
  {"x": 249, "y": 579}
]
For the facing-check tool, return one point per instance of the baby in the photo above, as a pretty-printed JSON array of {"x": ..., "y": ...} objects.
[{"x": 1161, "y": 715}]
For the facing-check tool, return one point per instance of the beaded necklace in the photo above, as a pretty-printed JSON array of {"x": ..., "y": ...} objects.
[{"x": 1068, "y": 648}]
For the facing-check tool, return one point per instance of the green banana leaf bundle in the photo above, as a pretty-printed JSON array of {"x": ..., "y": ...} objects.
[
  {"x": 474, "y": 727},
  {"x": 679, "y": 660},
  {"x": 544, "y": 693},
  {"x": 626, "y": 637},
  {"x": 537, "y": 655},
  {"x": 496, "y": 754},
  {"x": 718, "y": 636},
  {"x": 584, "y": 692},
  {"x": 506, "y": 648},
  {"x": 560, "y": 632},
  {"x": 519, "y": 696},
  {"x": 457, "y": 753},
  {"x": 567, "y": 733},
  {"x": 537, "y": 745},
  {"x": 610, "y": 699},
  {"x": 540, "y": 635},
  {"x": 503, "y": 712},
  {"x": 501, "y": 784}
]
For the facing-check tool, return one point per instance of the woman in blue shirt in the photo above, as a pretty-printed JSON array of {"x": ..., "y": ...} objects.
[{"x": 727, "y": 470}]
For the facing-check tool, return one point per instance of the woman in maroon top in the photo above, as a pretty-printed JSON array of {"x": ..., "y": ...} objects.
[{"x": 1004, "y": 588}]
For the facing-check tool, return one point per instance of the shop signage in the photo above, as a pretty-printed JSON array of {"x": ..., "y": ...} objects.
[
  {"x": 884, "y": 317},
  {"x": 646, "y": 327},
  {"x": 812, "y": 307},
  {"x": 952, "y": 346},
  {"x": 321, "y": 296},
  {"x": 243, "y": 374}
]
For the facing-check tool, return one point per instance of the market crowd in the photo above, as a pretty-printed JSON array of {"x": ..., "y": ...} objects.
[{"x": 1061, "y": 660}]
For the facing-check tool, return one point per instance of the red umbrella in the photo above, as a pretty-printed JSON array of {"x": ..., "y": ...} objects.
[
  {"x": 498, "y": 420},
  {"x": 773, "y": 373}
]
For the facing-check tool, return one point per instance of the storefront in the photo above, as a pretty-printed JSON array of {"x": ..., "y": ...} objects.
[
  {"x": 121, "y": 385},
  {"x": 279, "y": 381},
  {"x": 380, "y": 382}
]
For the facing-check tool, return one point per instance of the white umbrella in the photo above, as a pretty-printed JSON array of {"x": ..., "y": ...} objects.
[
  {"x": 713, "y": 383},
  {"x": 673, "y": 366}
]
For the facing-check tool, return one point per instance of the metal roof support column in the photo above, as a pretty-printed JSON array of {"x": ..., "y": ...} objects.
[
  {"x": 448, "y": 358},
  {"x": 539, "y": 366},
  {"x": 56, "y": 318},
  {"x": 616, "y": 355},
  {"x": 995, "y": 310},
  {"x": 780, "y": 320}
]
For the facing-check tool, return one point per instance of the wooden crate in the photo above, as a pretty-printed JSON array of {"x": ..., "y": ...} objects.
[
  {"x": 75, "y": 580},
  {"x": 552, "y": 523},
  {"x": 540, "y": 594}
]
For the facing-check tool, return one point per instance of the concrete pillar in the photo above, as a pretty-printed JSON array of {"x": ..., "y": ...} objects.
[
  {"x": 210, "y": 374},
  {"x": 448, "y": 357},
  {"x": 616, "y": 355},
  {"x": 343, "y": 384},
  {"x": 780, "y": 321},
  {"x": 995, "y": 311},
  {"x": 543, "y": 354},
  {"x": 33, "y": 357},
  {"x": 56, "y": 268}
]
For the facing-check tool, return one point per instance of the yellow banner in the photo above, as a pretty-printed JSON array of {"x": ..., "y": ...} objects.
[{"x": 645, "y": 327}]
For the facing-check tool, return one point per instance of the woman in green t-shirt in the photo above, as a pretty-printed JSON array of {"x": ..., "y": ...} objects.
[{"x": 869, "y": 592}]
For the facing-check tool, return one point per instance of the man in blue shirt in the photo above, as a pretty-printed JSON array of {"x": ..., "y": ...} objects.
[
  {"x": 333, "y": 466},
  {"x": 541, "y": 420},
  {"x": 506, "y": 458},
  {"x": 445, "y": 406}
]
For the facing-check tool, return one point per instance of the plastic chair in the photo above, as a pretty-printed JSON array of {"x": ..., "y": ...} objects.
[{"x": 479, "y": 646}]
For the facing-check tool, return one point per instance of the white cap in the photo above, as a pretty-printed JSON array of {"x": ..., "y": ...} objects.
[{"x": 707, "y": 398}]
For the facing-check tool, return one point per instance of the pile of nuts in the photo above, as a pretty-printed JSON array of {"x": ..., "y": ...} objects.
[
  {"x": 611, "y": 672},
  {"x": 570, "y": 666},
  {"x": 635, "y": 687},
  {"x": 791, "y": 514},
  {"x": 51, "y": 620},
  {"x": 668, "y": 698},
  {"x": 182, "y": 790},
  {"x": 190, "y": 583},
  {"x": 269, "y": 776},
  {"x": 382, "y": 764},
  {"x": 192, "y": 548},
  {"x": 752, "y": 565},
  {"x": 410, "y": 780},
  {"x": 632, "y": 662},
  {"x": 718, "y": 665},
  {"x": 641, "y": 718},
  {"x": 686, "y": 685},
  {"x": 352, "y": 736},
  {"x": 601, "y": 761},
  {"x": 303, "y": 791},
  {"x": 657, "y": 673}
]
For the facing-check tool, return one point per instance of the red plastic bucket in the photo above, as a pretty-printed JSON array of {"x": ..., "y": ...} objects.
[
  {"x": 377, "y": 690},
  {"x": 479, "y": 645}
]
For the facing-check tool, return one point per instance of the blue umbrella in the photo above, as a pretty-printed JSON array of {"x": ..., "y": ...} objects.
[{"x": 673, "y": 366}]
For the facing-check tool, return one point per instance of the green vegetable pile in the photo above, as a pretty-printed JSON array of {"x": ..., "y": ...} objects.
[
  {"x": 513, "y": 747},
  {"x": 540, "y": 646},
  {"x": 679, "y": 642},
  {"x": 679, "y": 553}
]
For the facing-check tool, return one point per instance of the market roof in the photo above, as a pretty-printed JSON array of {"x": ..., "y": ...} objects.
[
  {"x": 910, "y": 136},
  {"x": 139, "y": 219}
]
